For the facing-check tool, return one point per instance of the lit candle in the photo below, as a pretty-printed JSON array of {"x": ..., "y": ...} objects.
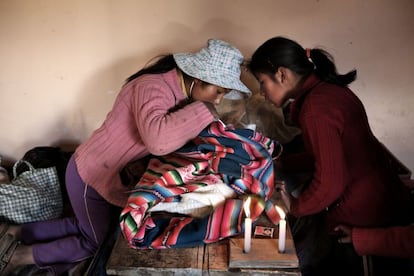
[
  {"x": 282, "y": 229},
  {"x": 247, "y": 226}
]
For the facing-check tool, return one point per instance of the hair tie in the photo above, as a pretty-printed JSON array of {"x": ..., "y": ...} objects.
[{"x": 308, "y": 53}]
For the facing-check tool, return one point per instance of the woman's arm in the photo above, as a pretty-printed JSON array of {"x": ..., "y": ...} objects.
[
  {"x": 163, "y": 124},
  {"x": 394, "y": 241}
]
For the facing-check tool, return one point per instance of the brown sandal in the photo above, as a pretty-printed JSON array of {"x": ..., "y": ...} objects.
[{"x": 7, "y": 246}]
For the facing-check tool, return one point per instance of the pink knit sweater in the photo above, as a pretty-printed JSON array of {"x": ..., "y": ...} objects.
[{"x": 144, "y": 120}]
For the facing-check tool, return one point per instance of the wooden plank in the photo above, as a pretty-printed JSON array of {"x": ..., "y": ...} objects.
[
  {"x": 264, "y": 254},
  {"x": 127, "y": 261},
  {"x": 216, "y": 256}
]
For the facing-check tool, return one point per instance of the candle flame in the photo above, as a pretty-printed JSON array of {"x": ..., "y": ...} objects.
[
  {"x": 246, "y": 207},
  {"x": 281, "y": 212}
]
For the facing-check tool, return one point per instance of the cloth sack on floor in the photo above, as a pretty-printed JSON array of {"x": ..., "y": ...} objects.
[{"x": 33, "y": 195}]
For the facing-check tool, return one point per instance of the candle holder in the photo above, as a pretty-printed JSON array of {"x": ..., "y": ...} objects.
[{"x": 264, "y": 253}]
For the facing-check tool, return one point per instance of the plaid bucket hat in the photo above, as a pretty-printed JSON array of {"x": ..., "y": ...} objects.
[{"x": 218, "y": 64}]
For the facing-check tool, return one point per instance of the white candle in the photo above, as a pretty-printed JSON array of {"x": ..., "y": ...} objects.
[
  {"x": 282, "y": 230},
  {"x": 247, "y": 234},
  {"x": 247, "y": 226}
]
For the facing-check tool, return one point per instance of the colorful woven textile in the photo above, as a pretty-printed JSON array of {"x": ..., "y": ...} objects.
[{"x": 241, "y": 158}]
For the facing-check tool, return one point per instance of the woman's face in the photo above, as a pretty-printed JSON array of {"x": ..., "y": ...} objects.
[
  {"x": 271, "y": 89},
  {"x": 206, "y": 92},
  {"x": 279, "y": 89}
]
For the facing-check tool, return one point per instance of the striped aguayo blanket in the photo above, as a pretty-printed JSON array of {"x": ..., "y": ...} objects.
[{"x": 239, "y": 158}]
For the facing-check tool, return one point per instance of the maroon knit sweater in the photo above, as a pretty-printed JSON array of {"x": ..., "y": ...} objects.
[
  {"x": 352, "y": 179},
  {"x": 392, "y": 241}
]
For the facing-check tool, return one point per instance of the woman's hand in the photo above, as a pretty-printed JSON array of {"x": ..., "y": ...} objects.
[
  {"x": 281, "y": 188},
  {"x": 345, "y": 233}
]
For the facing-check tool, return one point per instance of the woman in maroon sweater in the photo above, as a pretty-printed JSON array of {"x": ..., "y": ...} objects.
[{"x": 351, "y": 181}]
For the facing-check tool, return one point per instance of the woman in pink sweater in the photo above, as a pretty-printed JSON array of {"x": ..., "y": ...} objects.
[{"x": 158, "y": 110}]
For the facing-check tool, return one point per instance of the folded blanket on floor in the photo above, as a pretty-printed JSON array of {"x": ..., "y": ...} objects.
[{"x": 239, "y": 158}]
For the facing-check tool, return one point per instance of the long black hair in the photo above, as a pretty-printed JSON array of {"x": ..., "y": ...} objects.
[
  {"x": 162, "y": 64},
  {"x": 281, "y": 51}
]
